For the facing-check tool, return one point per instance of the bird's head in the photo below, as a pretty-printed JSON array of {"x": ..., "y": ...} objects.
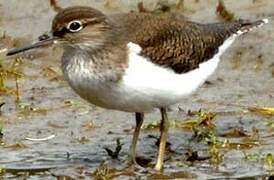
[{"x": 77, "y": 27}]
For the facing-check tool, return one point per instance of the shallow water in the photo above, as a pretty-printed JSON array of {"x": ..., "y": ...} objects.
[{"x": 47, "y": 106}]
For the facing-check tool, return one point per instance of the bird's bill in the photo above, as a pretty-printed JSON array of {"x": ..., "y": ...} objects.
[{"x": 44, "y": 40}]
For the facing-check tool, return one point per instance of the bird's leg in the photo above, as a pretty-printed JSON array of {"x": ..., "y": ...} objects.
[
  {"x": 163, "y": 138},
  {"x": 139, "y": 122}
]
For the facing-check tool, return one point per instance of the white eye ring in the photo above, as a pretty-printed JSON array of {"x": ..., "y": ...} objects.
[{"x": 75, "y": 26}]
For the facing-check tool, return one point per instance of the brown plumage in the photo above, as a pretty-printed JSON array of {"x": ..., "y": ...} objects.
[
  {"x": 171, "y": 41},
  {"x": 168, "y": 40},
  {"x": 86, "y": 14}
]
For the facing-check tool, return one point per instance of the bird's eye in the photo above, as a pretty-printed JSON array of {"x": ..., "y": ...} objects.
[{"x": 75, "y": 26}]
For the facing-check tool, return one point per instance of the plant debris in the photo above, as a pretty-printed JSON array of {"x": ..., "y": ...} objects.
[
  {"x": 162, "y": 7},
  {"x": 27, "y": 109},
  {"x": 1, "y": 132},
  {"x": 223, "y": 13},
  {"x": 24, "y": 172},
  {"x": 2, "y": 104},
  {"x": 235, "y": 132},
  {"x": 259, "y": 63},
  {"x": 16, "y": 146},
  {"x": 272, "y": 69},
  {"x": 55, "y": 6},
  {"x": 54, "y": 74},
  {"x": 115, "y": 154},
  {"x": 214, "y": 150},
  {"x": 204, "y": 129},
  {"x": 194, "y": 156},
  {"x": 82, "y": 140},
  {"x": 236, "y": 60},
  {"x": 41, "y": 139},
  {"x": 102, "y": 173},
  {"x": 238, "y": 145},
  {"x": 54, "y": 125},
  {"x": 201, "y": 119},
  {"x": 265, "y": 111},
  {"x": 269, "y": 162},
  {"x": 88, "y": 125},
  {"x": 152, "y": 125},
  {"x": 13, "y": 71},
  {"x": 141, "y": 8},
  {"x": 179, "y": 4}
]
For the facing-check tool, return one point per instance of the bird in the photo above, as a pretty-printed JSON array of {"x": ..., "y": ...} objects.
[{"x": 138, "y": 62}]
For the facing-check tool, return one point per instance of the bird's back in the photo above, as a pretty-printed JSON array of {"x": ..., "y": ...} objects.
[{"x": 172, "y": 41}]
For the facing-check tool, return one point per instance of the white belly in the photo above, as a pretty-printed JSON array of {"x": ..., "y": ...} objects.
[{"x": 145, "y": 86}]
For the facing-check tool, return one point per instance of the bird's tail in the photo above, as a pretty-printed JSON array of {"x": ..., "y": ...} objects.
[{"x": 246, "y": 26}]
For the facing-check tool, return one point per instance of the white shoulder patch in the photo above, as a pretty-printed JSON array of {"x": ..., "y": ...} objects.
[
  {"x": 160, "y": 86},
  {"x": 134, "y": 48}
]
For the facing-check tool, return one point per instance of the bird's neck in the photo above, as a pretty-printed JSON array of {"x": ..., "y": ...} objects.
[{"x": 107, "y": 60}]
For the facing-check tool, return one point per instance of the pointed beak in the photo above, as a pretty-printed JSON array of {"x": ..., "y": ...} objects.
[{"x": 44, "y": 40}]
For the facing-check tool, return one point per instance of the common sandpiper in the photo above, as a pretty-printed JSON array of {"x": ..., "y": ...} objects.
[{"x": 138, "y": 62}]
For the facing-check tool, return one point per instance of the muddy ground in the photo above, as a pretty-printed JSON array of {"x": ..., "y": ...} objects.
[{"x": 39, "y": 104}]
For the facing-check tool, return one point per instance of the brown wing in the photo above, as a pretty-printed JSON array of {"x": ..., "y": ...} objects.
[
  {"x": 180, "y": 47},
  {"x": 173, "y": 42}
]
